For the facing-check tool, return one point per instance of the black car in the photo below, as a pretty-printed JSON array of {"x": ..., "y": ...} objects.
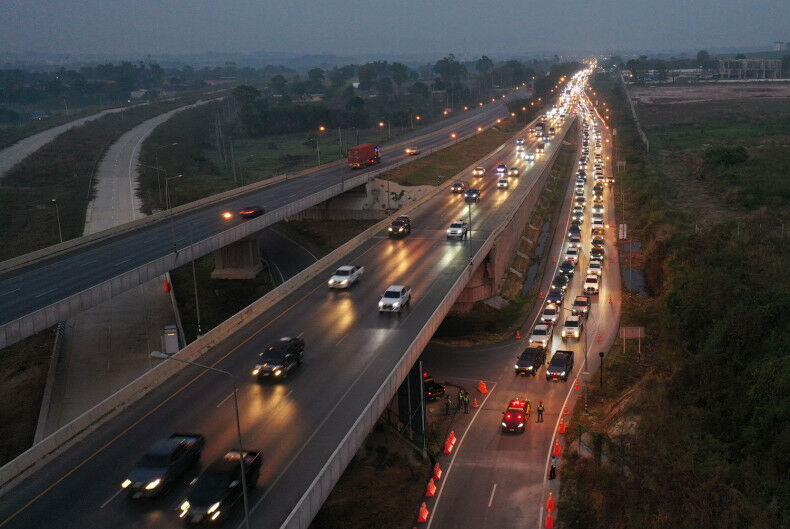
[
  {"x": 567, "y": 268},
  {"x": 164, "y": 462},
  {"x": 251, "y": 212},
  {"x": 277, "y": 360},
  {"x": 515, "y": 417},
  {"x": 400, "y": 227},
  {"x": 561, "y": 281},
  {"x": 574, "y": 231},
  {"x": 561, "y": 366},
  {"x": 433, "y": 390},
  {"x": 458, "y": 187},
  {"x": 472, "y": 196},
  {"x": 597, "y": 254},
  {"x": 530, "y": 361},
  {"x": 555, "y": 295},
  {"x": 220, "y": 486}
]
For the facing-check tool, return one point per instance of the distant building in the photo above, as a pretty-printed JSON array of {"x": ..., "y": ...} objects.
[
  {"x": 779, "y": 46},
  {"x": 750, "y": 68}
]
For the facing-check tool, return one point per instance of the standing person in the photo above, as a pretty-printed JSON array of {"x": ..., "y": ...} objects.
[
  {"x": 466, "y": 401},
  {"x": 447, "y": 405},
  {"x": 553, "y": 469},
  {"x": 541, "y": 409}
]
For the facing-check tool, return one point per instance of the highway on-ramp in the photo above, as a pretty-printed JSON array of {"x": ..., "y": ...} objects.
[
  {"x": 351, "y": 350},
  {"x": 39, "y": 284}
]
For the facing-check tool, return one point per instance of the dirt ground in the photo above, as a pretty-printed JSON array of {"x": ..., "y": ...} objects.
[{"x": 708, "y": 92}]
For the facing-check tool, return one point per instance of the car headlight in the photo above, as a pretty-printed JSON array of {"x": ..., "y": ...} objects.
[
  {"x": 152, "y": 485},
  {"x": 504, "y": 424},
  {"x": 213, "y": 508},
  {"x": 520, "y": 425},
  {"x": 516, "y": 366},
  {"x": 215, "y": 515},
  {"x": 344, "y": 282},
  {"x": 185, "y": 506},
  {"x": 278, "y": 372},
  {"x": 396, "y": 305},
  {"x": 529, "y": 368},
  {"x": 576, "y": 334},
  {"x": 563, "y": 333},
  {"x": 126, "y": 483},
  {"x": 331, "y": 282},
  {"x": 256, "y": 370},
  {"x": 562, "y": 374}
]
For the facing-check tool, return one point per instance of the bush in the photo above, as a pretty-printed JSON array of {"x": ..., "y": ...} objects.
[{"x": 726, "y": 156}]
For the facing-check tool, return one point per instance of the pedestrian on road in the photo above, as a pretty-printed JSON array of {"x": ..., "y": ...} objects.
[
  {"x": 541, "y": 409},
  {"x": 466, "y": 401},
  {"x": 447, "y": 405},
  {"x": 553, "y": 469}
]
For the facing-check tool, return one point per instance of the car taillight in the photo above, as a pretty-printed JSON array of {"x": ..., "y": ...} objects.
[
  {"x": 520, "y": 417},
  {"x": 507, "y": 416}
]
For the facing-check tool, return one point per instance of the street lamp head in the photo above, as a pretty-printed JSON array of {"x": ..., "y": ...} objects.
[
  {"x": 54, "y": 201},
  {"x": 381, "y": 123},
  {"x": 159, "y": 355},
  {"x": 321, "y": 128}
]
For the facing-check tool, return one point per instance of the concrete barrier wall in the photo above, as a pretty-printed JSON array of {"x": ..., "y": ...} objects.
[
  {"x": 57, "y": 442},
  {"x": 33, "y": 322}
]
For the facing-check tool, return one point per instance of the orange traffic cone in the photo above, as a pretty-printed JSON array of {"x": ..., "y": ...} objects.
[
  {"x": 431, "y": 489},
  {"x": 561, "y": 428},
  {"x": 481, "y": 387},
  {"x": 576, "y": 386},
  {"x": 610, "y": 300},
  {"x": 557, "y": 450},
  {"x": 550, "y": 503},
  {"x": 518, "y": 334},
  {"x": 565, "y": 410},
  {"x": 422, "y": 516},
  {"x": 599, "y": 337},
  {"x": 613, "y": 258},
  {"x": 474, "y": 403},
  {"x": 437, "y": 472},
  {"x": 167, "y": 286},
  {"x": 549, "y": 521},
  {"x": 541, "y": 294},
  {"x": 555, "y": 258}
]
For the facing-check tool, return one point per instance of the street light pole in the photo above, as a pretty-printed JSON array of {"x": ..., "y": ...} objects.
[
  {"x": 57, "y": 214},
  {"x": 164, "y": 356},
  {"x": 169, "y": 211}
]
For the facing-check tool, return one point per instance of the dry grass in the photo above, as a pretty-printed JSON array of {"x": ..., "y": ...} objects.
[{"x": 23, "y": 371}]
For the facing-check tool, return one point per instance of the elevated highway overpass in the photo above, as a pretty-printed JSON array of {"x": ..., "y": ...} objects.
[
  {"x": 39, "y": 289},
  {"x": 309, "y": 427}
]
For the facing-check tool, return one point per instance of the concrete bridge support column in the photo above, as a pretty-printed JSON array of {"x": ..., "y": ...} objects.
[{"x": 240, "y": 260}]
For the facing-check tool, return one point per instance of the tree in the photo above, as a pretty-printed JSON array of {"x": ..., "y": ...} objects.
[
  {"x": 400, "y": 73},
  {"x": 449, "y": 69},
  {"x": 278, "y": 84},
  {"x": 245, "y": 94},
  {"x": 420, "y": 89},
  {"x": 740, "y": 56},
  {"x": 384, "y": 86},
  {"x": 367, "y": 74},
  {"x": 703, "y": 59},
  {"x": 316, "y": 77},
  {"x": 484, "y": 65}
]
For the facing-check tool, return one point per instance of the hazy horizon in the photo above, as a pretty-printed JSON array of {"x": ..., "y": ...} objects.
[{"x": 346, "y": 27}]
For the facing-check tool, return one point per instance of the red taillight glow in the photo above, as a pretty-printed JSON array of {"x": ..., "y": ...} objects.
[{"x": 507, "y": 416}]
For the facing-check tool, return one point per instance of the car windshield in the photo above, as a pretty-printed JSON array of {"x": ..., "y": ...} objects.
[
  {"x": 571, "y": 323},
  {"x": 456, "y": 225},
  {"x": 539, "y": 331},
  {"x": 392, "y": 294},
  {"x": 154, "y": 461},
  {"x": 549, "y": 311},
  {"x": 210, "y": 488},
  {"x": 592, "y": 279},
  {"x": 397, "y": 223},
  {"x": 343, "y": 272}
]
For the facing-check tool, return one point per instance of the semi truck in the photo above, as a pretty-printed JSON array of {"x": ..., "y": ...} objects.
[{"x": 363, "y": 155}]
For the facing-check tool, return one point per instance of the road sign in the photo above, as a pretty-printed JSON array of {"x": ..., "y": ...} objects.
[
  {"x": 623, "y": 234},
  {"x": 628, "y": 333}
]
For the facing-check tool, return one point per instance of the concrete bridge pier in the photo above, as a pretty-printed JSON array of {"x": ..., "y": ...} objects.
[{"x": 240, "y": 260}]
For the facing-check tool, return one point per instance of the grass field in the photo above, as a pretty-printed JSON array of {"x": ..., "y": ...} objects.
[{"x": 696, "y": 426}]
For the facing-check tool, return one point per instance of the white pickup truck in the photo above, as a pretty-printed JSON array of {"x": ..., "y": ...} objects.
[{"x": 345, "y": 276}]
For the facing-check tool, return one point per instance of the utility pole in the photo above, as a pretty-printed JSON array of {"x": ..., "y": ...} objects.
[{"x": 57, "y": 214}]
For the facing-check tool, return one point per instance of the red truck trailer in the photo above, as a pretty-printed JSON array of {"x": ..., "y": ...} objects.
[{"x": 362, "y": 155}]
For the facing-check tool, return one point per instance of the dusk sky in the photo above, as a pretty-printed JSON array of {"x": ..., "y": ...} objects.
[{"x": 378, "y": 26}]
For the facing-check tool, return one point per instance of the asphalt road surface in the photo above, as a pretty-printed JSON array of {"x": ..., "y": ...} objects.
[
  {"x": 497, "y": 480},
  {"x": 40, "y": 284},
  {"x": 350, "y": 351}
]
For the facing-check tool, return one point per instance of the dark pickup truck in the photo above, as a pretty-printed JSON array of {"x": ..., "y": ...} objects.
[{"x": 164, "y": 462}]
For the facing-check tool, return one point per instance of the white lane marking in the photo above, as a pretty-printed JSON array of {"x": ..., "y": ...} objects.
[
  {"x": 103, "y": 505},
  {"x": 223, "y": 401},
  {"x": 289, "y": 393},
  {"x": 119, "y": 263},
  {"x": 45, "y": 292},
  {"x": 309, "y": 440},
  {"x": 458, "y": 449},
  {"x": 491, "y": 499},
  {"x": 340, "y": 340},
  {"x": 9, "y": 292}
]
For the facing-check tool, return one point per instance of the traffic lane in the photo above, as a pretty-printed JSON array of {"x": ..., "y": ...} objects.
[
  {"x": 193, "y": 421},
  {"x": 155, "y": 244}
]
